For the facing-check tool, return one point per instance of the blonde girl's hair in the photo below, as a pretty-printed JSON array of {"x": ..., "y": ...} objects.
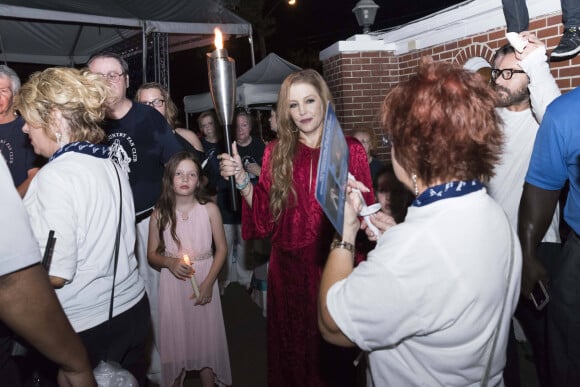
[
  {"x": 79, "y": 95},
  {"x": 282, "y": 161}
]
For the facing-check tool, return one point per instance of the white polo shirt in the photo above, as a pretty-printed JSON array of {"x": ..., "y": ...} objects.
[{"x": 429, "y": 297}]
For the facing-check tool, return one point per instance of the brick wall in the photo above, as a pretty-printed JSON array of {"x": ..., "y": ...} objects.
[{"x": 360, "y": 81}]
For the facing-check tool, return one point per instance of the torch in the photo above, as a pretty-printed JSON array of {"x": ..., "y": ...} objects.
[{"x": 222, "y": 86}]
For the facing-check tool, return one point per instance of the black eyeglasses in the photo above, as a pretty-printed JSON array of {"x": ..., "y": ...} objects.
[
  {"x": 157, "y": 102},
  {"x": 506, "y": 74}
]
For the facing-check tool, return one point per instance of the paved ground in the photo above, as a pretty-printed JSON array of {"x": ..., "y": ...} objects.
[{"x": 246, "y": 331}]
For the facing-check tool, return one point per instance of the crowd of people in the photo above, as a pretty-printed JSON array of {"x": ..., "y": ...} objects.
[{"x": 146, "y": 239}]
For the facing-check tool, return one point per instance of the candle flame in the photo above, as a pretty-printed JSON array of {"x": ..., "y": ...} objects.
[
  {"x": 219, "y": 44},
  {"x": 186, "y": 259}
]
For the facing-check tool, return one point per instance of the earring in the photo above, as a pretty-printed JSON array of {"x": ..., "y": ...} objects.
[
  {"x": 415, "y": 186},
  {"x": 59, "y": 139}
]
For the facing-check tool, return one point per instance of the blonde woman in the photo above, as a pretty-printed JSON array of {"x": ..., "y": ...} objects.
[
  {"x": 282, "y": 205},
  {"x": 77, "y": 194}
]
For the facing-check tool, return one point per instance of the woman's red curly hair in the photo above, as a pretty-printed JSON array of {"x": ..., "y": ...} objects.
[{"x": 443, "y": 124}]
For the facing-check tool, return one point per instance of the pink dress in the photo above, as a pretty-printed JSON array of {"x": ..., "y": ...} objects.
[{"x": 191, "y": 337}]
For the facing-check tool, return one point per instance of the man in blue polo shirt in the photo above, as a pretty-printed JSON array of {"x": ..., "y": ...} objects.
[
  {"x": 555, "y": 160},
  {"x": 148, "y": 142}
]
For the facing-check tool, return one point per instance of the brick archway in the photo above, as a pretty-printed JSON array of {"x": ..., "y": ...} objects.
[{"x": 476, "y": 49}]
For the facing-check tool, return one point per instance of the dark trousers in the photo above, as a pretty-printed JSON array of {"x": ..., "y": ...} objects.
[
  {"x": 563, "y": 316},
  {"x": 9, "y": 374},
  {"x": 533, "y": 323},
  {"x": 516, "y": 15},
  {"x": 124, "y": 340},
  {"x": 570, "y": 13}
]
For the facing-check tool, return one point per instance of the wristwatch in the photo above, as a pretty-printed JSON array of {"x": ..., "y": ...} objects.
[{"x": 336, "y": 244}]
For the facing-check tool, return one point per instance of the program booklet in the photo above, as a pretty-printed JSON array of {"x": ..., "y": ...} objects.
[{"x": 332, "y": 170}]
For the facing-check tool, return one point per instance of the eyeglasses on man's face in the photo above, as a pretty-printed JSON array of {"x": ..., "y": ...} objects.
[
  {"x": 506, "y": 74},
  {"x": 157, "y": 102},
  {"x": 112, "y": 76}
]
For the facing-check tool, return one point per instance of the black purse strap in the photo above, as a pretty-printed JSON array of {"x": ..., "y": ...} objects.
[{"x": 116, "y": 261}]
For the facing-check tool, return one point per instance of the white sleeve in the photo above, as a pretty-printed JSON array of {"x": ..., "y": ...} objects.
[
  {"x": 18, "y": 247},
  {"x": 397, "y": 292},
  {"x": 371, "y": 308},
  {"x": 50, "y": 204},
  {"x": 543, "y": 87}
]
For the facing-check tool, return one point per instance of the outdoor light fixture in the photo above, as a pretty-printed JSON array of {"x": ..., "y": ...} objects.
[
  {"x": 365, "y": 12},
  {"x": 277, "y": 3}
]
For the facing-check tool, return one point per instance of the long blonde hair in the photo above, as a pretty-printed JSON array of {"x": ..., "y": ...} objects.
[{"x": 282, "y": 163}]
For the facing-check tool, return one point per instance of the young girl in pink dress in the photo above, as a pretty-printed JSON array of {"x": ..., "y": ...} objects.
[{"x": 191, "y": 329}]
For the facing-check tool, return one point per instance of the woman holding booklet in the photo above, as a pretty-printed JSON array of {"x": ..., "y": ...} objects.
[
  {"x": 432, "y": 304},
  {"x": 283, "y": 205}
]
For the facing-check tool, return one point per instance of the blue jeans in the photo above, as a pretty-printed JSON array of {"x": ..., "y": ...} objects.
[{"x": 517, "y": 17}]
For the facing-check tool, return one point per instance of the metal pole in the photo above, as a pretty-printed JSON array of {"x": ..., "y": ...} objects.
[{"x": 144, "y": 58}]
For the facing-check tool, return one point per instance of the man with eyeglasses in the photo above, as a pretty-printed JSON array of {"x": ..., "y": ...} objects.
[
  {"x": 525, "y": 87},
  {"x": 148, "y": 142}
]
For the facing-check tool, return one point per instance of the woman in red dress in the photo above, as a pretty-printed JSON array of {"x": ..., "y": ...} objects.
[{"x": 282, "y": 205}]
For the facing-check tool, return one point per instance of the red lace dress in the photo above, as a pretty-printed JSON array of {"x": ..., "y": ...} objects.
[{"x": 297, "y": 354}]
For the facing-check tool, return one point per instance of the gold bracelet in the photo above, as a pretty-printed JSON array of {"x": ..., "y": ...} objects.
[{"x": 336, "y": 244}]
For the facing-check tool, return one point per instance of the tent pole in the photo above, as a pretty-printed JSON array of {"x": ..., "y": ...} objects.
[
  {"x": 251, "y": 41},
  {"x": 144, "y": 65}
]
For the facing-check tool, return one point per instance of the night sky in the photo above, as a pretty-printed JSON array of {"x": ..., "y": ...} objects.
[
  {"x": 319, "y": 23},
  {"x": 301, "y": 32}
]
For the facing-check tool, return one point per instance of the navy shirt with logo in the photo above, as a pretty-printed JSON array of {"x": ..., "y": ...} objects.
[
  {"x": 252, "y": 153},
  {"x": 149, "y": 142},
  {"x": 17, "y": 151}
]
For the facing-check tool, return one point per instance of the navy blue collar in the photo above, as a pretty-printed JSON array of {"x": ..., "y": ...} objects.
[
  {"x": 447, "y": 190},
  {"x": 96, "y": 150}
]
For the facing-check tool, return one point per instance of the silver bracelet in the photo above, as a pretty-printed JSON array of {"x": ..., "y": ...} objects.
[{"x": 244, "y": 183}]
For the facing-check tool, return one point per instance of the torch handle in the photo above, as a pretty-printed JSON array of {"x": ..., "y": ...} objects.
[{"x": 234, "y": 201}]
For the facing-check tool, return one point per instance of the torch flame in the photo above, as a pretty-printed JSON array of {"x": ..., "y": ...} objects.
[{"x": 218, "y": 39}]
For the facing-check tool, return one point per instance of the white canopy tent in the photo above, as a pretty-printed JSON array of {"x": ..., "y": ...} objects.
[
  {"x": 258, "y": 85},
  {"x": 67, "y": 32}
]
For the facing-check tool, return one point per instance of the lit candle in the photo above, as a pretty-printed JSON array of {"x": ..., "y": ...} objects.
[{"x": 192, "y": 278}]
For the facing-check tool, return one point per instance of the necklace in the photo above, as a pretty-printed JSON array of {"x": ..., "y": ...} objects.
[
  {"x": 310, "y": 179},
  {"x": 184, "y": 215}
]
